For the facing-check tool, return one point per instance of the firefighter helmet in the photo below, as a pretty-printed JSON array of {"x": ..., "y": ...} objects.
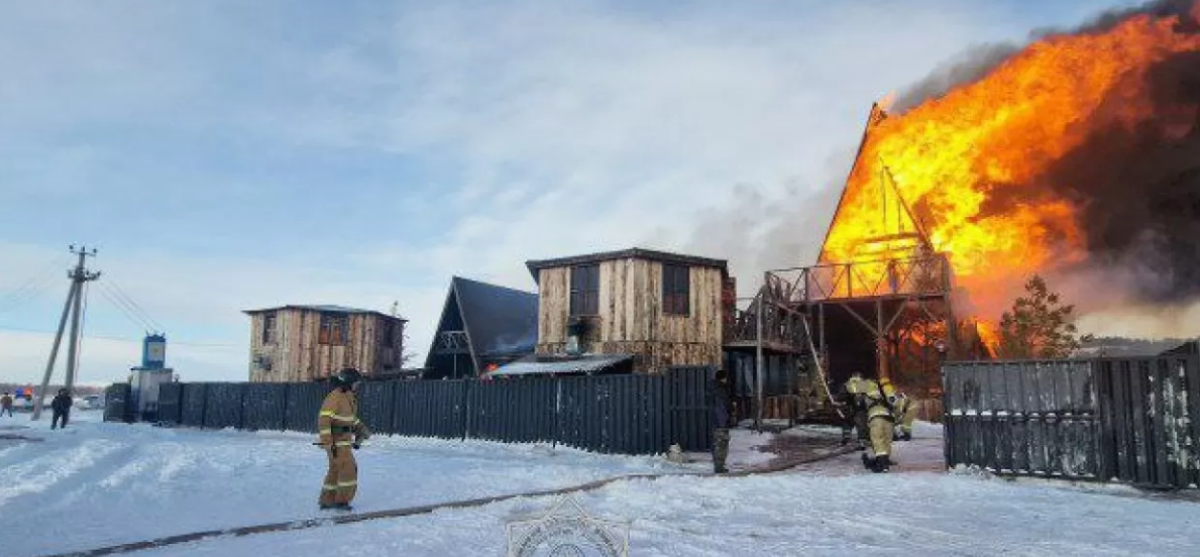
[{"x": 346, "y": 377}]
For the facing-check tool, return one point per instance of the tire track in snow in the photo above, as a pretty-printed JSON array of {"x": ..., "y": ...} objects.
[
  {"x": 419, "y": 510},
  {"x": 55, "y": 470}
]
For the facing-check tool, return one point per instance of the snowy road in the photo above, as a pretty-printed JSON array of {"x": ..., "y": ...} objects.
[
  {"x": 101, "y": 484},
  {"x": 97, "y": 484},
  {"x": 833, "y": 508}
]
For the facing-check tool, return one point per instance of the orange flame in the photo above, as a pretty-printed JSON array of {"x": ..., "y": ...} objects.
[
  {"x": 964, "y": 169},
  {"x": 988, "y": 335}
]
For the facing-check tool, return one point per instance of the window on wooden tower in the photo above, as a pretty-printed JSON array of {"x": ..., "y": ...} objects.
[
  {"x": 676, "y": 289},
  {"x": 585, "y": 290},
  {"x": 269, "y": 328},
  {"x": 335, "y": 329}
]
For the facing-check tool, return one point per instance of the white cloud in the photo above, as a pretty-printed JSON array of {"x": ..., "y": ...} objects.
[{"x": 570, "y": 128}]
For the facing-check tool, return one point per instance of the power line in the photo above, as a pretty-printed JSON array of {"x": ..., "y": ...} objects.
[
  {"x": 112, "y": 296},
  {"x": 127, "y": 339},
  {"x": 135, "y": 305},
  {"x": 18, "y": 299},
  {"x": 141, "y": 324},
  {"x": 31, "y": 288},
  {"x": 40, "y": 274}
]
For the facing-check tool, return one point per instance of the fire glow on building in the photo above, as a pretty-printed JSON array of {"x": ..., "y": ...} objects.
[{"x": 1078, "y": 156}]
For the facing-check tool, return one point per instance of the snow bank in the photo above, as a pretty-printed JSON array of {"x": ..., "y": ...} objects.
[
  {"x": 96, "y": 484},
  {"x": 803, "y": 513},
  {"x": 100, "y": 484}
]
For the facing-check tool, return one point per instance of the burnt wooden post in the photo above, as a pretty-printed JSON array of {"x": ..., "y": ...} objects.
[{"x": 758, "y": 353}]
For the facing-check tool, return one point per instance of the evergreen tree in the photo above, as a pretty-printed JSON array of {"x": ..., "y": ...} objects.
[{"x": 1038, "y": 326}]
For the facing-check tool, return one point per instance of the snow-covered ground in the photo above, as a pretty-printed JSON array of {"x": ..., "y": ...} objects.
[
  {"x": 95, "y": 484},
  {"x": 100, "y": 484}
]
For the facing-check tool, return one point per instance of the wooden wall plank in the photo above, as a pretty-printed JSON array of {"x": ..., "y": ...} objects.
[{"x": 631, "y": 316}]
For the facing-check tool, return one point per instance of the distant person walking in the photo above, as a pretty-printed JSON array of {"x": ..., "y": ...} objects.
[
  {"x": 6, "y": 404},
  {"x": 720, "y": 421},
  {"x": 62, "y": 409}
]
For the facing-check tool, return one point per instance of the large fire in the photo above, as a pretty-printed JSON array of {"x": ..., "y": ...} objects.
[{"x": 969, "y": 167}]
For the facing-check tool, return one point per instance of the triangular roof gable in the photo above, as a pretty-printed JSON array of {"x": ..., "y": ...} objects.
[
  {"x": 877, "y": 115},
  {"x": 908, "y": 228},
  {"x": 450, "y": 309},
  {"x": 497, "y": 320}
]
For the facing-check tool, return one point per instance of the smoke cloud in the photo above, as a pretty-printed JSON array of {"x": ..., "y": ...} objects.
[{"x": 1136, "y": 187}]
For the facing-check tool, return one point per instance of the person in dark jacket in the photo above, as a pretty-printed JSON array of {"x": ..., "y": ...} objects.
[
  {"x": 720, "y": 421},
  {"x": 6, "y": 404},
  {"x": 62, "y": 408}
]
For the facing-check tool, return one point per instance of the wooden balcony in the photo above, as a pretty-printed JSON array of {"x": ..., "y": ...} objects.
[
  {"x": 782, "y": 332},
  {"x": 919, "y": 276}
]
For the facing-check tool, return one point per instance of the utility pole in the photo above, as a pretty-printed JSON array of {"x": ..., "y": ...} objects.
[{"x": 79, "y": 276}]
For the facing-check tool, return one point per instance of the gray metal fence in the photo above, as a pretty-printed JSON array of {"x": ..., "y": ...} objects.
[
  {"x": 626, "y": 414},
  {"x": 1129, "y": 420}
]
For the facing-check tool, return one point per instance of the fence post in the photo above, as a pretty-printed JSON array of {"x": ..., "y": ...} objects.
[
  {"x": 557, "y": 412},
  {"x": 204, "y": 408},
  {"x": 466, "y": 409},
  {"x": 946, "y": 425}
]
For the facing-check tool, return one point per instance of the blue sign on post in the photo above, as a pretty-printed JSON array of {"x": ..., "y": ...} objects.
[{"x": 154, "y": 352}]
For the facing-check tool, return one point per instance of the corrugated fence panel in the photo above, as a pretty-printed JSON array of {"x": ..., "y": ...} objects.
[
  {"x": 116, "y": 402},
  {"x": 303, "y": 404},
  {"x": 223, "y": 405},
  {"x": 1135, "y": 420},
  {"x": 193, "y": 404},
  {"x": 513, "y": 410},
  {"x": 690, "y": 401},
  {"x": 264, "y": 406},
  {"x": 1192, "y": 369},
  {"x": 429, "y": 408},
  {"x": 375, "y": 405},
  {"x": 170, "y": 397},
  {"x": 627, "y": 414},
  {"x": 572, "y": 426}
]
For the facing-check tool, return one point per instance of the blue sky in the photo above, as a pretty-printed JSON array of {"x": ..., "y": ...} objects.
[{"x": 232, "y": 155}]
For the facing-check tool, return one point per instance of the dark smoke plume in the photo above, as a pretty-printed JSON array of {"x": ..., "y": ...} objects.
[
  {"x": 979, "y": 60},
  {"x": 1137, "y": 189}
]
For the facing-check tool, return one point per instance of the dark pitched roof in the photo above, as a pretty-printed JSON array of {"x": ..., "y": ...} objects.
[
  {"x": 1186, "y": 349},
  {"x": 634, "y": 253},
  {"x": 499, "y": 321},
  {"x": 331, "y": 308}
]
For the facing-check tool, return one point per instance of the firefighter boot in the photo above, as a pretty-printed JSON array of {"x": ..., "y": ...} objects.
[{"x": 882, "y": 464}]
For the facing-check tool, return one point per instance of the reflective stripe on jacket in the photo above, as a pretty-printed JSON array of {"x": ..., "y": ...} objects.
[{"x": 338, "y": 422}]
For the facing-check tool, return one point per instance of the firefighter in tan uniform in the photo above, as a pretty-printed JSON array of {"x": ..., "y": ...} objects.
[
  {"x": 881, "y": 422},
  {"x": 852, "y": 397},
  {"x": 905, "y": 411},
  {"x": 341, "y": 432},
  {"x": 873, "y": 401}
]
